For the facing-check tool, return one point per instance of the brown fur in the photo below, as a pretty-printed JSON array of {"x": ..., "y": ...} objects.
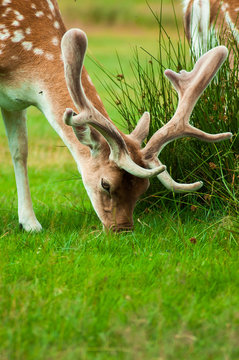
[
  {"x": 187, "y": 19},
  {"x": 216, "y": 10}
]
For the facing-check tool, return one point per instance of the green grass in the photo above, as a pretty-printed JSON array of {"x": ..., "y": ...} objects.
[
  {"x": 73, "y": 292},
  {"x": 103, "y": 49},
  {"x": 111, "y": 13},
  {"x": 167, "y": 291}
]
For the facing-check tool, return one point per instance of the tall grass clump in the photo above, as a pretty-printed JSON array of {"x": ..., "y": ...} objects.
[{"x": 216, "y": 111}]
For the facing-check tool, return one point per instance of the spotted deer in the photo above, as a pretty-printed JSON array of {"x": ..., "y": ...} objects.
[
  {"x": 41, "y": 64},
  {"x": 206, "y": 20}
]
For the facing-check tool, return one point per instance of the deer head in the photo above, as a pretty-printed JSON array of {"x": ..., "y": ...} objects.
[{"x": 116, "y": 170}]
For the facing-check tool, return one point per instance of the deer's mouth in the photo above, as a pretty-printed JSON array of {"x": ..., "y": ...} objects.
[{"x": 118, "y": 228}]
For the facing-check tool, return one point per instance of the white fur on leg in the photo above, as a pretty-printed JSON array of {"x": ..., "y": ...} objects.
[
  {"x": 199, "y": 26},
  {"x": 15, "y": 123}
]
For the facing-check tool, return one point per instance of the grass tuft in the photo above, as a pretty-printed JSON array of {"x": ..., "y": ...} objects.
[{"x": 217, "y": 110}]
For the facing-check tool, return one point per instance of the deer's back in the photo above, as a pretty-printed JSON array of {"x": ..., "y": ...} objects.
[{"x": 30, "y": 36}]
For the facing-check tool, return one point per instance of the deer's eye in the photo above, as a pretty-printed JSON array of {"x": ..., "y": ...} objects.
[{"x": 105, "y": 185}]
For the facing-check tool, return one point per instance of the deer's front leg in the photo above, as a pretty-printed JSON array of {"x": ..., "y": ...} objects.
[{"x": 15, "y": 123}]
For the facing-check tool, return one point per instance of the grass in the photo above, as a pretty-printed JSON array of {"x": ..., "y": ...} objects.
[
  {"x": 167, "y": 291},
  {"x": 103, "y": 49},
  {"x": 111, "y": 13},
  {"x": 74, "y": 292}
]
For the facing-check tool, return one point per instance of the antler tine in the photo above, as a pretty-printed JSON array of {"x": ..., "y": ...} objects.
[
  {"x": 172, "y": 185},
  {"x": 142, "y": 129},
  {"x": 189, "y": 86}
]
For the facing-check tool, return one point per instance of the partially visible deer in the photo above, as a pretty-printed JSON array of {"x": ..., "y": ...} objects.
[
  {"x": 206, "y": 20},
  {"x": 36, "y": 70}
]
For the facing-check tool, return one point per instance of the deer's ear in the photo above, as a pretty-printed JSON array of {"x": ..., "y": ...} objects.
[
  {"x": 85, "y": 134},
  {"x": 89, "y": 137}
]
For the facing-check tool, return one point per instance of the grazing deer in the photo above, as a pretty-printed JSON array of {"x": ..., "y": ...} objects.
[
  {"x": 205, "y": 19},
  {"x": 42, "y": 65}
]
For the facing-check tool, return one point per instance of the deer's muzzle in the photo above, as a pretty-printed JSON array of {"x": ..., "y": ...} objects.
[{"x": 117, "y": 228}]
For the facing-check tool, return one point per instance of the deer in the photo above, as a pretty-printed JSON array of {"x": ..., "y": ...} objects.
[
  {"x": 42, "y": 64},
  {"x": 206, "y": 20}
]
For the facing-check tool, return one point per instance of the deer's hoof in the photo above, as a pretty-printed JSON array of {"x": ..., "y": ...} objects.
[{"x": 31, "y": 226}]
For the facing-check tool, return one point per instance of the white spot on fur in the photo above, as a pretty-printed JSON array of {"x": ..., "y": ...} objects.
[
  {"x": 39, "y": 13},
  {"x": 56, "y": 25},
  {"x": 55, "y": 41},
  {"x": 15, "y": 23},
  {"x": 2, "y": 26},
  {"x": 50, "y": 16},
  {"x": 0, "y": 51},
  {"x": 89, "y": 79},
  {"x": 4, "y": 34},
  {"x": 27, "y": 45},
  {"x": 49, "y": 56},
  {"x": 19, "y": 16},
  {"x": 51, "y": 6},
  {"x": 38, "y": 51},
  {"x": 2, "y": 45},
  {"x": 6, "y": 2},
  {"x": 6, "y": 12},
  {"x": 28, "y": 31},
  {"x": 237, "y": 9},
  {"x": 18, "y": 36},
  {"x": 98, "y": 96},
  {"x": 33, "y": 6},
  {"x": 14, "y": 57}
]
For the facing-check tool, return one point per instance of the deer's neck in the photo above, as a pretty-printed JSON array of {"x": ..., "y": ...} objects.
[{"x": 53, "y": 99}]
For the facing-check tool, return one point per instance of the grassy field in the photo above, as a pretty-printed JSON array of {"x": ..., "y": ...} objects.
[
  {"x": 167, "y": 291},
  {"x": 110, "y": 13}
]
